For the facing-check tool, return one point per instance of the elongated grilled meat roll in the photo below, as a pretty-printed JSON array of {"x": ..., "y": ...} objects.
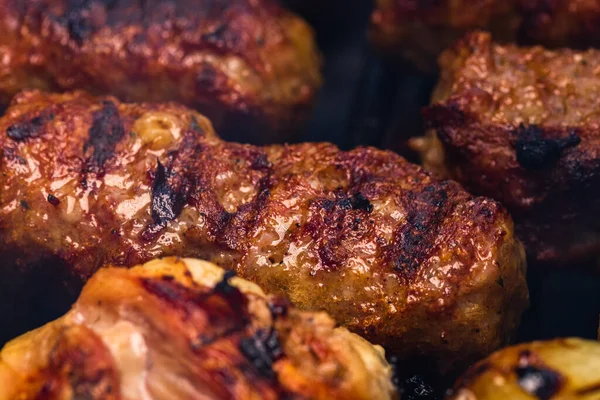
[
  {"x": 250, "y": 66},
  {"x": 419, "y": 30},
  {"x": 415, "y": 264},
  {"x": 520, "y": 125},
  {"x": 182, "y": 329}
]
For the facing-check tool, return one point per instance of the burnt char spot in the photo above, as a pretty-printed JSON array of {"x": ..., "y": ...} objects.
[
  {"x": 262, "y": 349},
  {"x": 412, "y": 242},
  {"x": 28, "y": 129},
  {"x": 360, "y": 202},
  {"x": 261, "y": 162},
  {"x": 167, "y": 203},
  {"x": 355, "y": 202},
  {"x": 106, "y": 131},
  {"x": 53, "y": 200},
  {"x": 174, "y": 185},
  {"x": 223, "y": 286},
  {"x": 535, "y": 153},
  {"x": 537, "y": 380}
]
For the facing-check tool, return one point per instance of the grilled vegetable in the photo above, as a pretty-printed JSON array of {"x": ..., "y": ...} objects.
[
  {"x": 182, "y": 329},
  {"x": 556, "y": 369}
]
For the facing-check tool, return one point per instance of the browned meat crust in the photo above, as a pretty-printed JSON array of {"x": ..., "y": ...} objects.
[
  {"x": 250, "y": 66},
  {"x": 521, "y": 125},
  {"x": 180, "y": 329},
  {"x": 412, "y": 263},
  {"x": 419, "y": 30}
]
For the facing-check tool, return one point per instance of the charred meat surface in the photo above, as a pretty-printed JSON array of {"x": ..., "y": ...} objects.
[
  {"x": 555, "y": 369},
  {"x": 182, "y": 329},
  {"x": 410, "y": 262},
  {"x": 419, "y": 30},
  {"x": 250, "y": 66},
  {"x": 521, "y": 125}
]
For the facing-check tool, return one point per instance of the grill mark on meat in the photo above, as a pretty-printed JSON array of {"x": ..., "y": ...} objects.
[
  {"x": 262, "y": 349},
  {"x": 232, "y": 229},
  {"x": 536, "y": 379},
  {"x": 225, "y": 307},
  {"x": 535, "y": 152},
  {"x": 79, "y": 360},
  {"x": 106, "y": 131},
  {"x": 28, "y": 129},
  {"x": 334, "y": 220},
  {"x": 412, "y": 242}
]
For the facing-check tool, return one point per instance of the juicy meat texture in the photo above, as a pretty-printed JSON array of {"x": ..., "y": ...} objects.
[
  {"x": 521, "y": 125},
  {"x": 419, "y": 30},
  {"x": 249, "y": 65},
  {"x": 554, "y": 369},
  {"x": 412, "y": 263},
  {"x": 183, "y": 329}
]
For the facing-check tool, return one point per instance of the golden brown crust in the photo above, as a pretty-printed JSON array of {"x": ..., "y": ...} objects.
[
  {"x": 180, "y": 328},
  {"x": 419, "y": 30},
  {"x": 249, "y": 65},
  {"x": 521, "y": 125},
  {"x": 410, "y": 262},
  {"x": 554, "y": 369}
]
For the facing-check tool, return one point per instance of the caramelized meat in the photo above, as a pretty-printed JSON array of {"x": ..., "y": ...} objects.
[
  {"x": 556, "y": 369},
  {"x": 521, "y": 125},
  {"x": 412, "y": 263},
  {"x": 250, "y": 66},
  {"x": 419, "y": 30},
  {"x": 182, "y": 329}
]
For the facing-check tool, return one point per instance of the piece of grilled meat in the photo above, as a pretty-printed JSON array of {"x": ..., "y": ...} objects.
[
  {"x": 555, "y": 369},
  {"x": 419, "y": 30},
  {"x": 521, "y": 125},
  {"x": 181, "y": 329},
  {"x": 249, "y": 65},
  {"x": 412, "y": 263}
]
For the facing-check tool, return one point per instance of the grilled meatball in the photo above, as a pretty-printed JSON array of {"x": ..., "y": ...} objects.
[
  {"x": 250, "y": 66},
  {"x": 178, "y": 329},
  {"x": 419, "y": 30},
  {"x": 521, "y": 125},
  {"x": 412, "y": 263},
  {"x": 556, "y": 369}
]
